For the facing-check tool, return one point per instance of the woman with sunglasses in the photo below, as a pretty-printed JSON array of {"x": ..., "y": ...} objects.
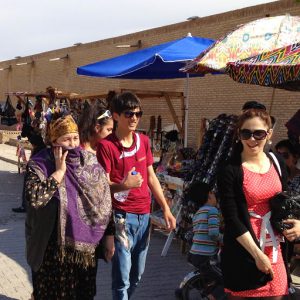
[{"x": 251, "y": 258}]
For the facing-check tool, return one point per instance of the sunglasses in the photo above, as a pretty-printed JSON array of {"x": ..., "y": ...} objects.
[
  {"x": 129, "y": 114},
  {"x": 260, "y": 134},
  {"x": 106, "y": 114},
  {"x": 285, "y": 155}
]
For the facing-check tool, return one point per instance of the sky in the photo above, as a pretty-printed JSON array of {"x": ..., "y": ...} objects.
[{"x": 33, "y": 26}]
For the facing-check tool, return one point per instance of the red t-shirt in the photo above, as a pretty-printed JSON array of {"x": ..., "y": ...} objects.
[{"x": 118, "y": 160}]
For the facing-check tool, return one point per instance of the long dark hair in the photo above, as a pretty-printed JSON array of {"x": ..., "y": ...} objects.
[{"x": 88, "y": 119}]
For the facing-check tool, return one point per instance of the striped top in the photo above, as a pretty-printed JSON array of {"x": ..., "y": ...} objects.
[{"x": 206, "y": 223}]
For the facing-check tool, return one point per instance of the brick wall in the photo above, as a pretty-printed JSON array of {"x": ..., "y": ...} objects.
[{"x": 209, "y": 95}]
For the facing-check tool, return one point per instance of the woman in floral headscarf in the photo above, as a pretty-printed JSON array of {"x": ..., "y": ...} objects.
[{"x": 69, "y": 207}]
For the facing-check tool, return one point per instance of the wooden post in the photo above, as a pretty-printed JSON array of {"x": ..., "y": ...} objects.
[
  {"x": 172, "y": 110},
  {"x": 183, "y": 117}
]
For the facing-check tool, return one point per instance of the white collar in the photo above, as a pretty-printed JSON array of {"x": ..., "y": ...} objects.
[{"x": 135, "y": 150}]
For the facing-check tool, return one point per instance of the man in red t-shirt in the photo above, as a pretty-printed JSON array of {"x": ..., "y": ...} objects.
[{"x": 127, "y": 159}]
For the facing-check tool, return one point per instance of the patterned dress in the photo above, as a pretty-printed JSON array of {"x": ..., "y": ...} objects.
[
  {"x": 56, "y": 279},
  {"x": 258, "y": 189}
]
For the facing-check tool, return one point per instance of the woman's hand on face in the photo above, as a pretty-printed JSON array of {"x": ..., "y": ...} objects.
[
  {"x": 60, "y": 159},
  {"x": 263, "y": 264},
  {"x": 293, "y": 233},
  {"x": 109, "y": 245}
]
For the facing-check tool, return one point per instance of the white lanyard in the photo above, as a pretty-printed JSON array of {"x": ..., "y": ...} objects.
[
  {"x": 276, "y": 162},
  {"x": 267, "y": 228}
]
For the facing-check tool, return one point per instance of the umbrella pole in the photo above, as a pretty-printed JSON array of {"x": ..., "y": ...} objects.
[
  {"x": 272, "y": 101},
  {"x": 186, "y": 109}
]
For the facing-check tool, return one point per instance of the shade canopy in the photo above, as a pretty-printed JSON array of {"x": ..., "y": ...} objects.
[
  {"x": 247, "y": 40},
  {"x": 158, "y": 62},
  {"x": 278, "y": 68}
]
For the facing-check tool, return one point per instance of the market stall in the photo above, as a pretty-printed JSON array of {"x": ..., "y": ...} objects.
[
  {"x": 33, "y": 109},
  {"x": 180, "y": 167}
]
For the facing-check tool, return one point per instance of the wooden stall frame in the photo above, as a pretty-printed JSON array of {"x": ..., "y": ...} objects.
[{"x": 167, "y": 95}]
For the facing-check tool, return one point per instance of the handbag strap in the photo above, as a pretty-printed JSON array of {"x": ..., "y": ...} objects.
[{"x": 275, "y": 160}]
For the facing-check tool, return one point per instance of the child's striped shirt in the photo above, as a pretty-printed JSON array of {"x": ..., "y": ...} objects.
[{"x": 206, "y": 223}]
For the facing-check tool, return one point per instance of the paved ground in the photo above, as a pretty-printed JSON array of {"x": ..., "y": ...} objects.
[{"x": 161, "y": 277}]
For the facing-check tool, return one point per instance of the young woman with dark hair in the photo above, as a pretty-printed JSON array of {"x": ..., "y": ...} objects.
[
  {"x": 251, "y": 258},
  {"x": 94, "y": 124}
]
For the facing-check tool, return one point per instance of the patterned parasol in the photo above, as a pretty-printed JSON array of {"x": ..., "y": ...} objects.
[
  {"x": 247, "y": 40},
  {"x": 278, "y": 68}
]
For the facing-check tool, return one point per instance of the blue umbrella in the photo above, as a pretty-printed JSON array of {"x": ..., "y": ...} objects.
[{"x": 158, "y": 62}]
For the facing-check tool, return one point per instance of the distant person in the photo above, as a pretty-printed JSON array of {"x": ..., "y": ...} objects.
[
  {"x": 37, "y": 144},
  {"x": 290, "y": 155},
  {"x": 68, "y": 209},
  {"x": 127, "y": 160}
]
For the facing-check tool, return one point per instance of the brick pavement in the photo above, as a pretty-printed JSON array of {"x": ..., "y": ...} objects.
[{"x": 161, "y": 277}]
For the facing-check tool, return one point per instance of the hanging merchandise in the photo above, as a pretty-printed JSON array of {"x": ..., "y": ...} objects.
[
  {"x": 26, "y": 119},
  {"x": 19, "y": 104},
  {"x": 52, "y": 94},
  {"x": 49, "y": 113},
  {"x": 216, "y": 147},
  {"x": 157, "y": 144},
  {"x": 172, "y": 135},
  {"x": 188, "y": 153},
  {"x": 8, "y": 115},
  {"x": 19, "y": 111},
  {"x": 152, "y": 129},
  {"x": 76, "y": 108},
  {"x": 38, "y": 107},
  {"x": 158, "y": 128},
  {"x": 64, "y": 106}
]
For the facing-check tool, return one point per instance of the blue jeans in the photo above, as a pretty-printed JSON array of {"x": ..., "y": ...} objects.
[{"x": 131, "y": 246}]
